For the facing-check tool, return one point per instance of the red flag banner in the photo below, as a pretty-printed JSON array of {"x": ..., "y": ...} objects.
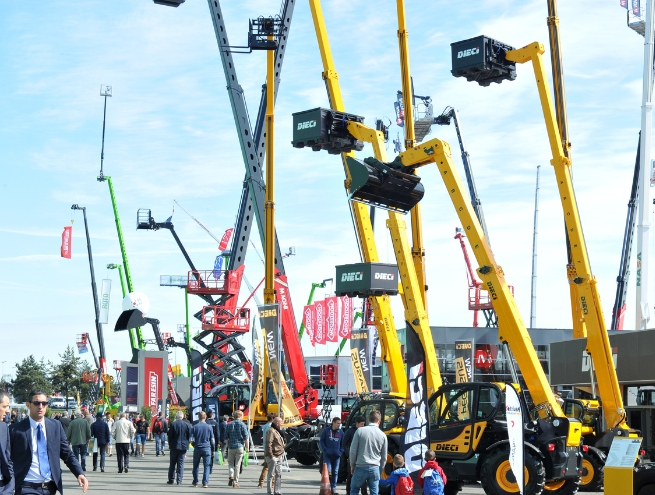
[
  {"x": 309, "y": 319},
  {"x": 320, "y": 334},
  {"x": 225, "y": 240},
  {"x": 67, "y": 242},
  {"x": 346, "y": 320},
  {"x": 332, "y": 319}
]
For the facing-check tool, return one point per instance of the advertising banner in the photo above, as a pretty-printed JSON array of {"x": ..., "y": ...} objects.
[
  {"x": 309, "y": 320},
  {"x": 346, "y": 317},
  {"x": 67, "y": 242},
  {"x": 332, "y": 319},
  {"x": 320, "y": 334},
  {"x": 257, "y": 378},
  {"x": 623, "y": 3},
  {"x": 415, "y": 439},
  {"x": 287, "y": 316},
  {"x": 360, "y": 357},
  {"x": 515, "y": 433},
  {"x": 636, "y": 7},
  {"x": 152, "y": 390},
  {"x": 269, "y": 317},
  {"x": 196, "y": 385},
  {"x": 222, "y": 246},
  {"x": 172, "y": 396},
  {"x": 464, "y": 355},
  {"x": 132, "y": 386},
  {"x": 105, "y": 292}
]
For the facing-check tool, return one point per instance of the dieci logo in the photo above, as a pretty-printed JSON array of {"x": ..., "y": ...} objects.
[
  {"x": 306, "y": 125},
  {"x": 352, "y": 276},
  {"x": 265, "y": 313},
  {"x": 468, "y": 53}
]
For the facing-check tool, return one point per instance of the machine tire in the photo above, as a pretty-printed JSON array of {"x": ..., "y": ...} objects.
[
  {"x": 593, "y": 474},
  {"x": 305, "y": 459},
  {"x": 647, "y": 490},
  {"x": 563, "y": 487},
  {"x": 495, "y": 468}
]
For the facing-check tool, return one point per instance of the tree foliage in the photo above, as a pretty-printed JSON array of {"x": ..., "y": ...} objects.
[{"x": 30, "y": 375}]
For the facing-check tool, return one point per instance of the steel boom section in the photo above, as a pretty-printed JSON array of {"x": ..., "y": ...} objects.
[
  {"x": 361, "y": 219},
  {"x": 598, "y": 344}
]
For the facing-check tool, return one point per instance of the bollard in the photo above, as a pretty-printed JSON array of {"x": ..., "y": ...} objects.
[{"x": 326, "y": 489}]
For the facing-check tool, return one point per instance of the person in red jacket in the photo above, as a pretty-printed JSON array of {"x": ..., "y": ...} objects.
[{"x": 426, "y": 472}]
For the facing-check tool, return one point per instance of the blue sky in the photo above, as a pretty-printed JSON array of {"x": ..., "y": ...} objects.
[{"x": 170, "y": 135}]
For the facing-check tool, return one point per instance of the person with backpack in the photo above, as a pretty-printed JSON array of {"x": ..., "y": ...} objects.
[
  {"x": 431, "y": 477},
  {"x": 399, "y": 479},
  {"x": 330, "y": 444},
  {"x": 160, "y": 431}
]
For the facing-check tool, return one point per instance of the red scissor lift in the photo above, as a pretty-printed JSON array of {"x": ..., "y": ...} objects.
[{"x": 225, "y": 322}]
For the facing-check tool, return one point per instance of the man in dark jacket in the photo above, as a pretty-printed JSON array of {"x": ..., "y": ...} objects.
[
  {"x": 212, "y": 422},
  {"x": 34, "y": 472},
  {"x": 79, "y": 434},
  {"x": 179, "y": 434},
  {"x": 100, "y": 432},
  {"x": 222, "y": 435},
  {"x": 159, "y": 432},
  {"x": 6, "y": 466},
  {"x": 330, "y": 442},
  {"x": 358, "y": 422},
  {"x": 65, "y": 420}
]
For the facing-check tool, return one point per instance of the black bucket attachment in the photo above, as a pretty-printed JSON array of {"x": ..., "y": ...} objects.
[
  {"x": 132, "y": 318},
  {"x": 482, "y": 60},
  {"x": 377, "y": 184}
]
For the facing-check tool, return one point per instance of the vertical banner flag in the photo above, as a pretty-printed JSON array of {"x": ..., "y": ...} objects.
[
  {"x": 319, "y": 323},
  {"x": 257, "y": 375},
  {"x": 346, "y": 321},
  {"x": 82, "y": 348},
  {"x": 269, "y": 318},
  {"x": 464, "y": 355},
  {"x": 218, "y": 264},
  {"x": 67, "y": 242},
  {"x": 624, "y": 3},
  {"x": 172, "y": 395},
  {"x": 196, "y": 384},
  {"x": 636, "y": 8},
  {"x": 132, "y": 385},
  {"x": 515, "y": 433},
  {"x": 332, "y": 319},
  {"x": 287, "y": 317},
  {"x": 415, "y": 439},
  {"x": 105, "y": 291},
  {"x": 152, "y": 390},
  {"x": 360, "y": 359},
  {"x": 222, "y": 246},
  {"x": 309, "y": 320}
]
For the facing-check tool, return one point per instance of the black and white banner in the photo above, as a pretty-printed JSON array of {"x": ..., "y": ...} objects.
[
  {"x": 196, "y": 385},
  {"x": 416, "y": 437}
]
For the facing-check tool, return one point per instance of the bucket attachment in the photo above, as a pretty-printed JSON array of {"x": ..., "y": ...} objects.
[
  {"x": 377, "y": 184},
  {"x": 482, "y": 59},
  {"x": 324, "y": 129}
]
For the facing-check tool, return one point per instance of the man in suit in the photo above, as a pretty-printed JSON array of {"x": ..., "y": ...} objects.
[
  {"x": 6, "y": 466},
  {"x": 37, "y": 444},
  {"x": 179, "y": 434}
]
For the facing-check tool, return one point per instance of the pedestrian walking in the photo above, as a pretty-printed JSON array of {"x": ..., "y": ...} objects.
[
  {"x": 179, "y": 434},
  {"x": 37, "y": 445},
  {"x": 65, "y": 420},
  {"x": 399, "y": 479},
  {"x": 270, "y": 417},
  {"x": 160, "y": 431},
  {"x": 88, "y": 416},
  {"x": 237, "y": 444},
  {"x": 368, "y": 454},
  {"x": 273, "y": 452},
  {"x": 358, "y": 422},
  {"x": 7, "y": 478},
  {"x": 330, "y": 443},
  {"x": 214, "y": 426},
  {"x": 222, "y": 433},
  {"x": 110, "y": 422},
  {"x": 133, "y": 420},
  {"x": 101, "y": 435},
  {"x": 204, "y": 444},
  {"x": 79, "y": 434},
  {"x": 123, "y": 431},
  {"x": 142, "y": 432}
]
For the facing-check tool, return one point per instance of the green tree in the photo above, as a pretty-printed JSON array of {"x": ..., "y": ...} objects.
[
  {"x": 66, "y": 376},
  {"x": 30, "y": 375}
]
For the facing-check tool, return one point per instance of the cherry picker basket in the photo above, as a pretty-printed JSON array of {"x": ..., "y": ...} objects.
[
  {"x": 220, "y": 318},
  {"x": 213, "y": 282}
]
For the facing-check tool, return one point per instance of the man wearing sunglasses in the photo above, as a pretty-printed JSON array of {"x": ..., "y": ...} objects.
[{"x": 37, "y": 444}]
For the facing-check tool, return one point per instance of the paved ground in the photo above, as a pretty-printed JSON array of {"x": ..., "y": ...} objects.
[{"x": 148, "y": 476}]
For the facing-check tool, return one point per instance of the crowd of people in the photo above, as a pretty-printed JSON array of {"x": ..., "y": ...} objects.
[{"x": 30, "y": 449}]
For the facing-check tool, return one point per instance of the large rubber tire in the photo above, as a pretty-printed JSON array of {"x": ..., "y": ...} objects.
[
  {"x": 305, "y": 459},
  {"x": 452, "y": 488},
  {"x": 593, "y": 474},
  {"x": 564, "y": 487},
  {"x": 647, "y": 490},
  {"x": 497, "y": 478}
]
